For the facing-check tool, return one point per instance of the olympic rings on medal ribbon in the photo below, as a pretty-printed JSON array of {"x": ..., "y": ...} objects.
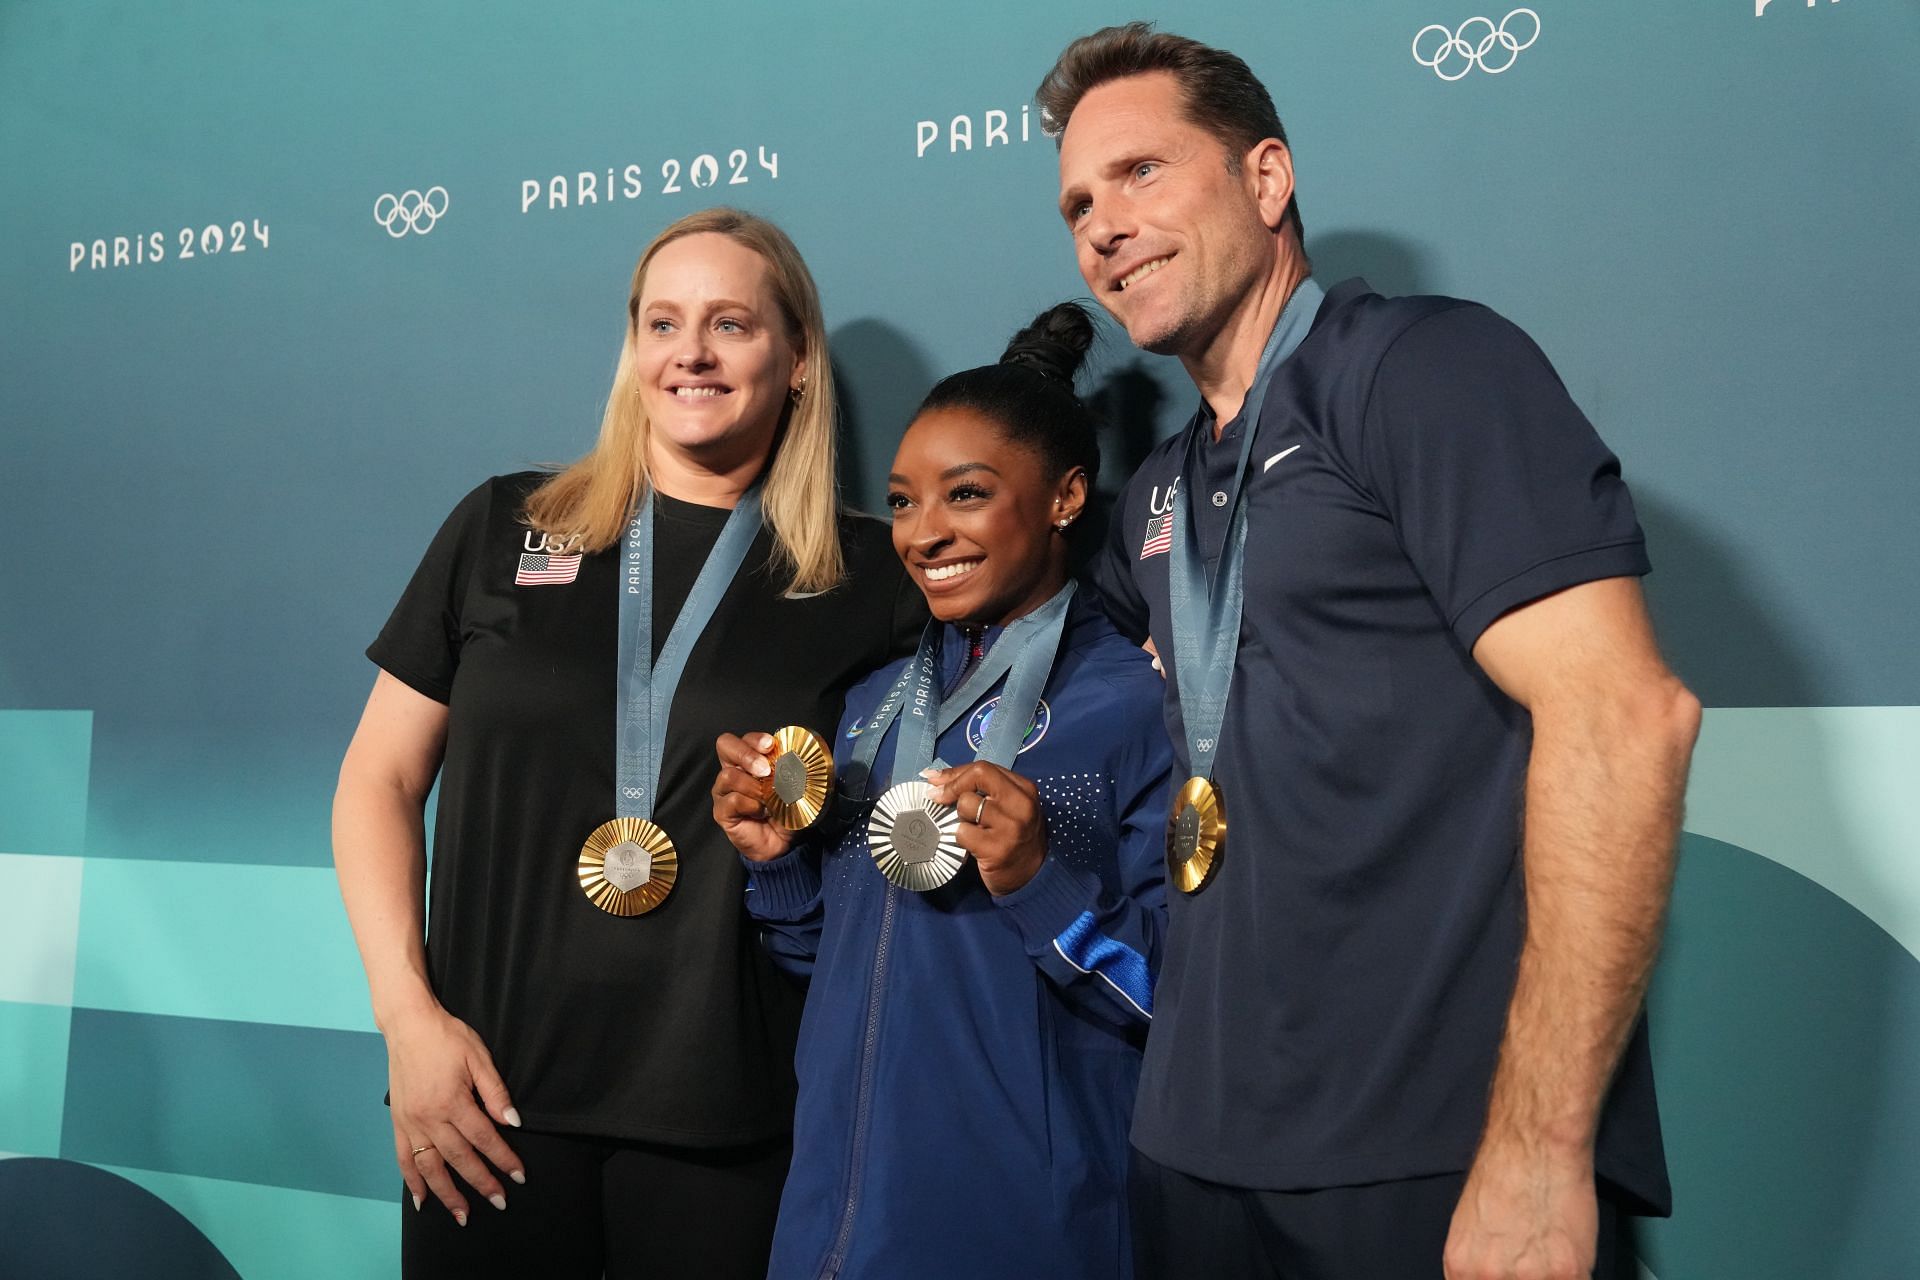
[
  {"x": 410, "y": 211},
  {"x": 1468, "y": 47}
]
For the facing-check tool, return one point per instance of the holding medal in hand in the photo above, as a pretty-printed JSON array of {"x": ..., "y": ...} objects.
[
  {"x": 584, "y": 1025},
  {"x": 1001, "y": 824},
  {"x": 978, "y": 916}
]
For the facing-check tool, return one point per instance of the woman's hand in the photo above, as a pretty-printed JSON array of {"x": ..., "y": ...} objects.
[
  {"x": 435, "y": 1066},
  {"x": 740, "y": 796},
  {"x": 1000, "y": 821}
]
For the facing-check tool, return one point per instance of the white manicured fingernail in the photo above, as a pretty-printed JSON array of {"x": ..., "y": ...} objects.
[
  {"x": 518, "y": 1177},
  {"x": 930, "y": 774},
  {"x": 416, "y": 1204},
  {"x": 461, "y": 1218},
  {"x": 512, "y": 1117},
  {"x": 498, "y": 1202},
  {"x": 759, "y": 768}
]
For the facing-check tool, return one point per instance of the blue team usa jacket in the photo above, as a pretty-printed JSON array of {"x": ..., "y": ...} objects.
[{"x": 967, "y": 1065}]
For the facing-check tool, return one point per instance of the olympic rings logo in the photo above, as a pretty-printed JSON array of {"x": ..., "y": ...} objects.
[
  {"x": 1458, "y": 52},
  {"x": 410, "y": 211}
]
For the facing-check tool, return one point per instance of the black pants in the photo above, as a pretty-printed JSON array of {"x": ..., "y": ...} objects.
[
  {"x": 626, "y": 1210},
  {"x": 1186, "y": 1228}
]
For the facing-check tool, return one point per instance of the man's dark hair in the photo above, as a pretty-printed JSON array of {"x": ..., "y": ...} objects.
[{"x": 1222, "y": 95}]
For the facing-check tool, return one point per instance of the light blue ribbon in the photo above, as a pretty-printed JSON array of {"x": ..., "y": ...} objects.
[
  {"x": 1024, "y": 653},
  {"x": 646, "y": 685},
  {"x": 1205, "y": 615}
]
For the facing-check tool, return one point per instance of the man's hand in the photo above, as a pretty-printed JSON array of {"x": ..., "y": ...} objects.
[{"x": 1525, "y": 1214}]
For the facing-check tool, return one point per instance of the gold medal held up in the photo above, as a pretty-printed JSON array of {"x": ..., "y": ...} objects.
[
  {"x": 801, "y": 781},
  {"x": 1196, "y": 835},
  {"x": 628, "y": 866}
]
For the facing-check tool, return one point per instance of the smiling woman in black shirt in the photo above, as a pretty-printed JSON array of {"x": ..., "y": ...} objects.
[{"x": 632, "y": 1036}]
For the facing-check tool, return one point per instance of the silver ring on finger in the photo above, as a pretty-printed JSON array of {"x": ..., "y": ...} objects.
[{"x": 982, "y": 809}]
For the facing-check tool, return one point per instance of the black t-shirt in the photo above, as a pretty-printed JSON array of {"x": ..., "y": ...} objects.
[
  {"x": 670, "y": 1026},
  {"x": 1330, "y": 1007}
]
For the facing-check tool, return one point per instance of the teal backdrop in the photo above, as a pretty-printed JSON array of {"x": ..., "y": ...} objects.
[{"x": 282, "y": 281}]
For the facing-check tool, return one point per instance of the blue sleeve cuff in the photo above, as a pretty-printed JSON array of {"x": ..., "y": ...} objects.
[
  {"x": 1619, "y": 560},
  {"x": 1044, "y": 906},
  {"x": 783, "y": 889}
]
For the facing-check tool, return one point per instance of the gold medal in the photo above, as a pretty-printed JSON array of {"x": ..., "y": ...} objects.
[
  {"x": 914, "y": 841},
  {"x": 628, "y": 866},
  {"x": 1196, "y": 835},
  {"x": 801, "y": 780}
]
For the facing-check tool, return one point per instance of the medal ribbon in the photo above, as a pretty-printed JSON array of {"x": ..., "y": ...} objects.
[
  {"x": 646, "y": 685},
  {"x": 1205, "y": 614},
  {"x": 1024, "y": 654}
]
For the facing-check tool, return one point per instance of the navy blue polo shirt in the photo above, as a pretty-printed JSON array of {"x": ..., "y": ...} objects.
[{"x": 1330, "y": 1006}]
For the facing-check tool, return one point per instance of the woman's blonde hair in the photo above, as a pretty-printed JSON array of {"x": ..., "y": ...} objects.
[{"x": 591, "y": 501}]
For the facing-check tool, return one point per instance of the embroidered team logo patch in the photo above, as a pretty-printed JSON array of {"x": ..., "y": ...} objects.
[
  {"x": 546, "y": 562},
  {"x": 983, "y": 716}
]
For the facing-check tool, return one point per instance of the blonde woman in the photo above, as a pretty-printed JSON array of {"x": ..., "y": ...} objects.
[{"x": 590, "y": 1057}]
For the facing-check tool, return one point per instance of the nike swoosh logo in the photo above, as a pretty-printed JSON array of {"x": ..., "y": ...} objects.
[{"x": 1268, "y": 464}]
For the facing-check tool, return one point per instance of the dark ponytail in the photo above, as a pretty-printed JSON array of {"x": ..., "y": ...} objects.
[{"x": 1029, "y": 393}]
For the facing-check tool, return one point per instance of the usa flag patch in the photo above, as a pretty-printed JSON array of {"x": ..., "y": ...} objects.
[
  {"x": 1159, "y": 536},
  {"x": 543, "y": 570}
]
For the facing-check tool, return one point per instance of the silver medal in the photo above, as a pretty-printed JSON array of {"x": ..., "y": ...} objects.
[{"x": 914, "y": 840}]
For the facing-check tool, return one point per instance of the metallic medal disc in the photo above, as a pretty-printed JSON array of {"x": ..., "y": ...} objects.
[
  {"x": 801, "y": 780},
  {"x": 1196, "y": 835},
  {"x": 628, "y": 866},
  {"x": 914, "y": 841}
]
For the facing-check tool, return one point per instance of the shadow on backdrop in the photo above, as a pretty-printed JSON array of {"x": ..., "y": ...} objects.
[
  {"x": 1127, "y": 402},
  {"x": 1393, "y": 266},
  {"x": 1710, "y": 616},
  {"x": 881, "y": 377}
]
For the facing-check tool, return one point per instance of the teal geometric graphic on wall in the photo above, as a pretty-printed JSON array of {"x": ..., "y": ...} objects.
[
  {"x": 33, "y": 1077},
  {"x": 39, "y": 927},
  {"x": 1826, "y": 791},
  {"x": 242, "y": 943},
  {"x": 1786, "y": 1033},
  {"x": 71, "y": 1220},
  {"x": 280, "y": 1233},
  {"x": 52, "y": 1223},
  {"x": 295, "y": 1107},
  {"x": 44, "y": 760}
]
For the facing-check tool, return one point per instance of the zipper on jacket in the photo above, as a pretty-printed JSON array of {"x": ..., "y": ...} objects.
[
  {"x": 863, "y": 1100},
  {"x": 976, "y": 650}
]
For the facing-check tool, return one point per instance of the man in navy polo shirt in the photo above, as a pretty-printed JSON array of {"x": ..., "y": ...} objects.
[{"x": 1399, "y": 1026}]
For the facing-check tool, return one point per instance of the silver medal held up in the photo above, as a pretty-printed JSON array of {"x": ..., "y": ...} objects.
[{"x": 915, "y": 841}]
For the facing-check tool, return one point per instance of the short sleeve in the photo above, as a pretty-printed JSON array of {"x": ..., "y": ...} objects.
[
  {"x": 420, "y": 644},
  {"x": 1110, "y": 573},
  {"x": 1500, "y": 490}
]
